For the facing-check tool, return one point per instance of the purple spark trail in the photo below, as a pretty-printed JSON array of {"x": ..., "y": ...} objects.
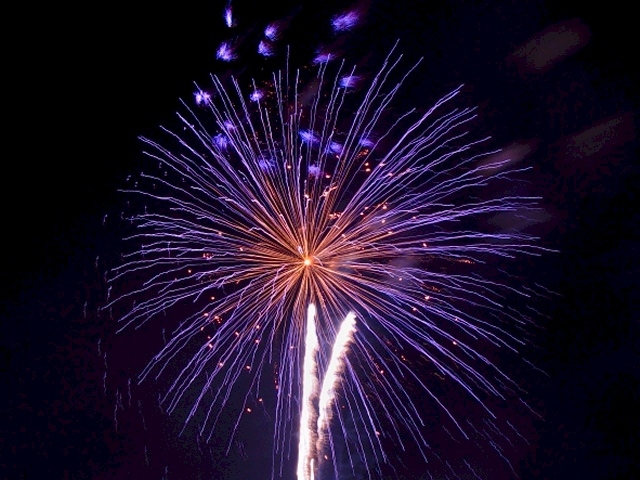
[{"x": 312, "y": 192}]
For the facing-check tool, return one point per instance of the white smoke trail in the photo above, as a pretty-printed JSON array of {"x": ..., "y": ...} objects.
[
  {"x": 312, "y": 433},
  {"x": 336, "y": 365},
  {"x": 306, "y": 452}
]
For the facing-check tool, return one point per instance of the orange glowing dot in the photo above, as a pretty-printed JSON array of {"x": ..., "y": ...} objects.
[{"x": 307, "y": 262}]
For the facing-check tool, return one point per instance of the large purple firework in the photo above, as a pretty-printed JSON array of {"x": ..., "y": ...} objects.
[{"x": 268, "y": 200}]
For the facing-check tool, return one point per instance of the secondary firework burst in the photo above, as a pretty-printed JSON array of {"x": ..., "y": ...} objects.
[{"x": 312, "y": 192}]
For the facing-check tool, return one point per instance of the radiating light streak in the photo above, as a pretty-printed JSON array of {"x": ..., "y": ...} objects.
[{"x": 304, "y": 196}]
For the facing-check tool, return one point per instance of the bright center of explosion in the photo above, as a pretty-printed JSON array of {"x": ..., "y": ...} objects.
[{"x": 307, "y": 262}]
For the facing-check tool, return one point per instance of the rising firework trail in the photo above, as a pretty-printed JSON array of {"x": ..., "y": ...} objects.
[
  {"x": 314, "y": 418},
  {"x": 306, "y": 447},
  {"x": 329, "y": 384},
  {"x": 308, "y": 191}
]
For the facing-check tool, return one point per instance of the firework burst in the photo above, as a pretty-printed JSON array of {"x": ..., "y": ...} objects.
[{"x": 313, "y": 193}]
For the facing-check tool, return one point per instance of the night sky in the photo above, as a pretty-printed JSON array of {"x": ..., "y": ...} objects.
[{"x": 96, "y": 79}]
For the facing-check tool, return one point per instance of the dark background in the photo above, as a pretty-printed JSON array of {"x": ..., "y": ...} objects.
[{"x": 89, "y": 80}]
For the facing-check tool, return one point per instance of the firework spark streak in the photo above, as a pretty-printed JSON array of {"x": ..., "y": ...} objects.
[
  {"x": 313, "y": 193},
  {"x": 309, "y": 386},
  {"x": 313, "y": 432},
  {"x": 332, "y": 376}
]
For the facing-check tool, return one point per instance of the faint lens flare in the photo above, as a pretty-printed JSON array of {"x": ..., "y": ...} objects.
[{"x": 551, "y": 46}]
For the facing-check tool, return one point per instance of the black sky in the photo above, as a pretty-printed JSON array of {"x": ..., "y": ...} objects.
[{"x": 90, "y": 81}]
